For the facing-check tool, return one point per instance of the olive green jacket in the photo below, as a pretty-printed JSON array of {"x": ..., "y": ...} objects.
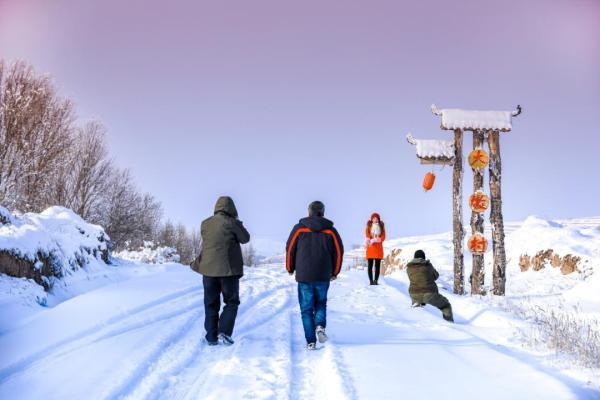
[
  {"x": 222, "y": 235},
  {"x": 422, "y": 276}
]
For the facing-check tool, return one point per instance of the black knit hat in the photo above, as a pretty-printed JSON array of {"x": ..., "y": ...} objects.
[
  {"x": 316, "y": 209},
  {"x": 420, "y": 254}
]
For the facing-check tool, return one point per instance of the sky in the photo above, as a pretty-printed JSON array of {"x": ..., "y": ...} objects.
[{"x": 278, "y": 103}]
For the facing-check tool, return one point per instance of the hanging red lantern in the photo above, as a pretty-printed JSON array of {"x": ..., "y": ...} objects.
[
  {"x": 428, "y": 181},
  {"x": 478, "y": 159},
  {"x": 477, "y": 244},
  {"x": 479, "y": 202}
]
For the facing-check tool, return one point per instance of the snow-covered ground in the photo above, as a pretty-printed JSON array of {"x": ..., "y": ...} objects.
[
  {"x": 141, "y": 338},
  {"x": 134, "y": 331}
]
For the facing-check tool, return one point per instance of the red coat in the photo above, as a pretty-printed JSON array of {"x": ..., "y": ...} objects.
[{"x": 375, "y": 250}]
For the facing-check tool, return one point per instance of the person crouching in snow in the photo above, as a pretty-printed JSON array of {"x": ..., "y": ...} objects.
[
  {"x": 423, "y": 289},
  {"x": 375, "y": 233},
  {"x": 314, "y": 251}
]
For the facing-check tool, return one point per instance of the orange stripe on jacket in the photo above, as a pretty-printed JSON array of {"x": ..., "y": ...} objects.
[
  {"x": 338, "y": 263},
  {"x": 289, "y": 251}
]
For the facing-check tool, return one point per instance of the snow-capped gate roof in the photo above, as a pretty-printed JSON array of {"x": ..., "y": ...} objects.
[
  {"x": 441, "y": 151},
  {"x": 454, "y": 118}
]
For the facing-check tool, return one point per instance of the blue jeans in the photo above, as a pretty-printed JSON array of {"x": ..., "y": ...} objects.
[{"x": 313, "y": 307}]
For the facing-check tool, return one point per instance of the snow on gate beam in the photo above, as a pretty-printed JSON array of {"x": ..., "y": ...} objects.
[
  {"x": 474, "y": 120},
  {"x": 439, "y": 152}
]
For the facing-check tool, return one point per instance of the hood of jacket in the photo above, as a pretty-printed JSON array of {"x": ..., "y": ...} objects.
[
  {"x": 418, "y": 262},
  {"x": 316, "y": 224},
  {"x": 226, "y": 205}
]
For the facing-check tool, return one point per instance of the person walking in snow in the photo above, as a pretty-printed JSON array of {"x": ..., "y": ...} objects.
[
  {"x": 423, "y": 289},
  {"x": 375, "y": 233},
  {"x": 222, "y": 266},
  {"x": 314, "y": 251}
]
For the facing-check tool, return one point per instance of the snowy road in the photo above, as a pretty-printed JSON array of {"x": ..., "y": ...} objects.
[{"x": 142, "y": 339}]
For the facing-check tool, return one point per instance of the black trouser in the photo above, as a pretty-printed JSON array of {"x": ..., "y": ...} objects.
[
  {"x": 377, "y": 268},
  {"x": 214, "y": 324}
]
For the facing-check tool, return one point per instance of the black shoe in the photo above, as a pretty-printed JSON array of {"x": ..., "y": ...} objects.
[
  {"x": 375, "y": 283},
  {"x": 226, "y": 339},
  {"x": 212, "y": 343},
  {"x": 371, "y": 283}
]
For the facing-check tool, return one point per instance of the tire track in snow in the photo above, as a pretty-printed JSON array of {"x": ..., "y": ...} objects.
[
  {"x": 126, "y": 328},
  {"x": 275, "y": 344},
  {"x": 342, "y": 369},
  {"x": 203, "y": 372},
  {"x": 317, "y": 374},
  {"x": 24, "y": 363},
  {"x": 154, "y": 377},
  {"x": 166, "y": 341}
]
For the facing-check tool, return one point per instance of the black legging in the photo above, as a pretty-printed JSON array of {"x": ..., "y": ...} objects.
[{"x": 377, "y": 268}]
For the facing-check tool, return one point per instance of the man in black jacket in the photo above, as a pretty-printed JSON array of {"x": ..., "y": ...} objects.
[
  {"x": 314, "y": 251},
  {"x": 222, "y": 266}
]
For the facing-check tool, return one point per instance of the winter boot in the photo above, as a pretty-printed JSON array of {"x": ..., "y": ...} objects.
[
  {"x": 311, "y": 346},
  {"x": 226, "y": 339},
  {"x": 321, "y": 335},
  {"x": 447, "y": 313},
  {"x": 211, "y": 343},
  {"x": 375, "y": 282},
  {"x": 417, "y": 304}
]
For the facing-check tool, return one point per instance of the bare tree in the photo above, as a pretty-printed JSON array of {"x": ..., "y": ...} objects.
[
  {"x": 45, "y": 159},
  {"x": 119, "y": 216},
  {"x": 35, "y": 134},
  {"x": 184, "y": 244},
  {"x": 196, "y": 243},
  {"x": 149, "y": 219},
  {"x": 85, "y": 181},
  {"x": 166, "y": 236}
]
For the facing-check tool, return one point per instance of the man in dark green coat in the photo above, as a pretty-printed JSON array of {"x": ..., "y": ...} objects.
[
  {"x": 423, "y": 289},
  {"x": 222, "y": 266}
]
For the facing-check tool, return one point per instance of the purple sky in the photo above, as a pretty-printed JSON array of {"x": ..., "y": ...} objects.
[{"x": 278, "y": 103}]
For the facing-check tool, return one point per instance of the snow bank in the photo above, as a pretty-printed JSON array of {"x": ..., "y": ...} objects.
[
  {"x": 50, "y": 244},
  {"x": 149, "y": 254},
  {"x": 537, "y": 234}
]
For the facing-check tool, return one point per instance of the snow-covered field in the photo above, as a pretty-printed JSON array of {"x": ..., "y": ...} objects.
[{"x": 135, "y": 331}]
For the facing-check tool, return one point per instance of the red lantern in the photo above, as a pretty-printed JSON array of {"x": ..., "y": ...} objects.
[
  {"x": 478, "y": 244},
  {"x": 428, "y": 181},
  {"x": 479, "y": 202}
]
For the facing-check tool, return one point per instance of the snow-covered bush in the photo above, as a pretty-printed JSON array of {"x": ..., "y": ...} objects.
[
  {"x": 49, "y": 245},
  {"x": 150, "y": 254}
]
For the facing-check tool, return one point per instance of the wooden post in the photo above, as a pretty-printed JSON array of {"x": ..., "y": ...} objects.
[
  {"x": 477, "y": 220},
  {"x": 457, "y": 226},
  {"x": 497, "y": 220}
]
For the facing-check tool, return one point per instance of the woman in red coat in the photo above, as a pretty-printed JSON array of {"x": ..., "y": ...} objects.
[{"x": 375, "y": 233}]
